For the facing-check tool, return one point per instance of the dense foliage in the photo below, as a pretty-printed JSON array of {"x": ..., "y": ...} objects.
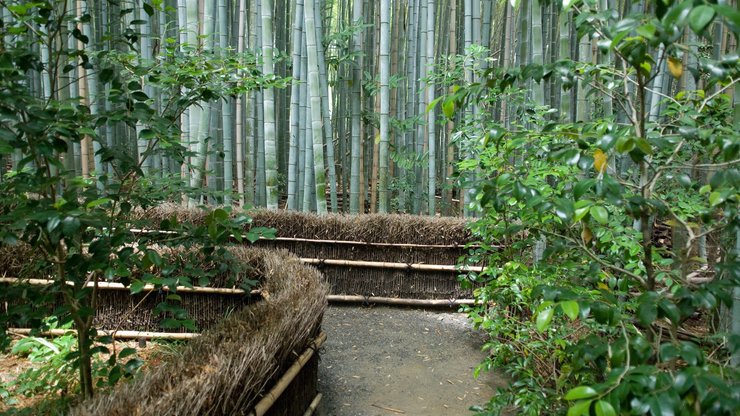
[
  {"x": 77, "y": 230},
  {"x": 589, "y": 308}
]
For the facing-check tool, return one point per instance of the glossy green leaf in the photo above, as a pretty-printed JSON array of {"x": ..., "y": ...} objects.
[
  {"x": 570, "y": 308},
  {"x": 716, "y": 198},
  {"x": 126, "y": 352},
  {"x": 731, "y": 15},
  {"x": 544, "y": 318},
  {"x": 647, "y": 310},
  {"x": 604, "y": 408},
  {"x": 136, "y": 286},
  {"x": 600, "y": 214},
  {"x": 580, "y": 213},
  {"x": 644, "y": 146},
  {"x": 97, "y": 202},
  {"x": 684, "y": 180},
  {"x": 700, "y": 17},
  {"x": 670, "y": 311},
  {"x": 580, "y": 408},
  {"x": 581, "y": 392},
  {"x": 625, "y": 144}
]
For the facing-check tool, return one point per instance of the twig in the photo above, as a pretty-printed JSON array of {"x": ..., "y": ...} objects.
[
  {"x": 390, "y": 409},
  {"x": 596, "y": 258}
]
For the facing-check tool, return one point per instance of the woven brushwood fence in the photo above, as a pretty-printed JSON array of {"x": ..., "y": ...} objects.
[
  {"x": 118, "y": 309},
  {"x": 257, "y": 356},
  {"x": 375, "y": 255}
]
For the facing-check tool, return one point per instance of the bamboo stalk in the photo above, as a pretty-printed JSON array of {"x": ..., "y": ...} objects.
[
  {"x": 314, "y": 405},
  {"x": 399, "y": 301},
  {"x": 147, "y": 288},
  {"x": 388, "y": 265},
  {"x": 269, "y": 399},
  {"x": 114, "y": 334}
]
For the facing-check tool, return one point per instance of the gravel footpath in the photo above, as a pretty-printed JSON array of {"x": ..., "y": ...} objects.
[{"x": 392, "y": 361}]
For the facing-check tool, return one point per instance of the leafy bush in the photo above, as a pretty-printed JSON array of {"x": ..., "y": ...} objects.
[
  {"x": 79, "y": 229},
  {"x": 586, "y": 309}
]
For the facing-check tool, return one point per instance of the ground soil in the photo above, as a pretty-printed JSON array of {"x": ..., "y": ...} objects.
[
  {"x": 386, "y": 361},
  {"x": 12, "y": 365}
]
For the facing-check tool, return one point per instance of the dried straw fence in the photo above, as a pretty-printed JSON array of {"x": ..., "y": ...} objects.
[
  {"x": 366, "y": 257},
  {"x": 245, "y": 364}
]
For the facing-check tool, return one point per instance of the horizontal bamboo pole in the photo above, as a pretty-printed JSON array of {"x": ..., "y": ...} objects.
[
  {"x": 269, "y": 399},
  {"x": 363, "y": 243},
  {"x": 114, "y": 334},
  {"x": 146, "y": 288},
  {"x": 314, "y": 405},
  {"x": 397, "y": 266},
  {"x": 338, "y": 242},
  {"x": 399, "y": 301}
]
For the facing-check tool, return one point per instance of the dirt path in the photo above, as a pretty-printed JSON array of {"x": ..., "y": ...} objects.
[{"x": 386, "y": 361}]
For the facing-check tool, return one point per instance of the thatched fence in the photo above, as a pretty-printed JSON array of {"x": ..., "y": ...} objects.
[
  {"x": 257, "y": 360},
  {"x": 366, "y": 257}
]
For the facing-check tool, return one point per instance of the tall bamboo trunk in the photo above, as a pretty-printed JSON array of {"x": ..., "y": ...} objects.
[
  {"x": 356, "y": 106},
  {"x": 271, "y": 173},
  {"x": 295, "y": 100},
  {"x": 314, "y": 87},
  {"x": 431, "y": 115},
  {"x": 385, "y": 70}
]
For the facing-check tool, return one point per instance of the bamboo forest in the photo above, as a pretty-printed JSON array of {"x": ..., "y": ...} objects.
[{"x": 369, "y": 207}]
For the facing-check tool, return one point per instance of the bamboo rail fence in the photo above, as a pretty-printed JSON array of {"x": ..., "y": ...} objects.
[
  {"x": 114, "y": 334},
  {"x": 261, "y": 408}
]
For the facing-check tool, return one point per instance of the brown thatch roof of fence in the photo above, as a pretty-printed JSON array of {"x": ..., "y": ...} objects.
[
  {"x": 370, "y": 228},
  {"x": 22, "y": 261},
  {"x": 225, "y": 370}
]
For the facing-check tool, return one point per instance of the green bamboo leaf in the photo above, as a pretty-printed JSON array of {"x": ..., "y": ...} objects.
[
  {"x": 433, "y": 103},
  {"x": 544, "y": 318},
  {"x": 600, "y": 214},
  {"x": 700, "y": 18},
  {"x": 448, "y": 108},
  {"x": 581, "y": 392}
]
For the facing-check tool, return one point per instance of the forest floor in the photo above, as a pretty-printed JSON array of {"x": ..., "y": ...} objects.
[{"x": 391, "y": 361}]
